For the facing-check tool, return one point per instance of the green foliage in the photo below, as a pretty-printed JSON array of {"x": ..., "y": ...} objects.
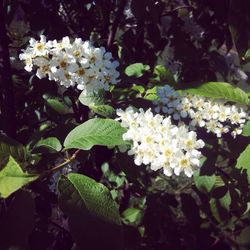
[
  {"x": 13, "y": 178},
  {"x": 219, "y": 207},
  {"x": 243, "y": 162},
  {"x": 132, "y": 215},
  {"x": 247, "y": 55},
  {"x": 11, "y": 147},
  {"x": 163, "y": 75},
  {"x": 182, "y": 46},
  {"x": 151, "y": 94},
  {"x": 221, "y": 90},
  {"x": 204, "y": 183},
  {"x": 91, "y": 99},
  {"x": 136, "y": 69},
  {"x": 103, "y": 110},
  {"x": 50, "y": 144},
  {"x": 97, "y": 131},
  {"x": 57, "y": 104},
  {"x": 96, "y": 103},
  {"x": 93, "y": 216},
  {"x": 246, "y": 129}
]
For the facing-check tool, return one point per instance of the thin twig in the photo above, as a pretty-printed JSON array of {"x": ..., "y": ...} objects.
[
  {"x": 61, "y": 165},
  {"x": 67, "y": 161}
]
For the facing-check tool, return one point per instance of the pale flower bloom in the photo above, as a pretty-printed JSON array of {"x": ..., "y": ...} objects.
[
  {"x": 78, "y": 63},
  {"x": 158, "y": 143},
  {"x": 216, "y": 116},
  {"x": 39, "y": 48}
]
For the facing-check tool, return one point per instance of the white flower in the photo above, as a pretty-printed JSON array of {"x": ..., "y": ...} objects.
[
  {"x": 158, "y": 143},
  {"x": 44, "y": 67},
  {"x": 213, "y": 115},
  {"x": 58, "y": 47},
  {"x": 78, "y": 63},
  {"x": 39, "y": 48},
  {"x": 27, "y": 57}
]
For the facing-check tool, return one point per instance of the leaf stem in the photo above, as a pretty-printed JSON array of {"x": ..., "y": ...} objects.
[
  {"x": 67, "y": 161},
  {"x": 61, "y": 165}
]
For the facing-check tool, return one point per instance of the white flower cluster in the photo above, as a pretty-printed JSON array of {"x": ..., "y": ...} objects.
[
  {"x": 214, "y": 115},
  {"x": 78, "y": 63},
  {"x": 159, "y": 143}
]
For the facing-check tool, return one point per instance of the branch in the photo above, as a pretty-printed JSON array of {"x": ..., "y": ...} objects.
[
  {"x": 116, "y": 22},
  {"x": 61, "y": 165},
  {"x": 7, "y": 95},
  {"x": 67, "y": 161}
]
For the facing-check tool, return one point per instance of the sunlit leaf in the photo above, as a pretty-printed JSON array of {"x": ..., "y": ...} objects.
[
  {"x": 136, "y": 69},
  {"x": 13, "y": 178},
  {"x": 97, "y": 131},
  {"x": 204, "y": 183},
  {"x": 94, "y": 218},
  {"x": 221, "y": 90},
  {"x": 243, "y": 162}
]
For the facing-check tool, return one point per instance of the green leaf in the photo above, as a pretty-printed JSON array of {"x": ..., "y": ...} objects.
[
  {"x": 132, "y": 215},
  {"x": 246, "y": 129},
  {"x": 136, "y": 70},
  {"x": 219, "y": 182},
  {"x": 103, "y": 110},
  {"x": 247, "y": 56},
  {"x": 17, "y": 222},
  {"x": 94, "y": 219},
  {"x": 204, "y": 183},
  {"x": 91, "y": 99},
  {"x": 138, "y": 88},
  {"x": 97, "y": 131},
  {"x": 225, "y": 201},
  {"x": 163, "y": 75},
  {"x": 243, "y": 161},
  {"x": 151, "y": 94},
  {"x": 221, "y": 90},
  {"x": 220, "y": 207},
  {"x": 57, "y": 104},
  {"x": 12, "y": 178},
  {"x": 50, "y": 144},
  {"x": 96, "y": 103},
  {"x": 215, "y": 209},
  {"x": 11, "y": 147}
]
